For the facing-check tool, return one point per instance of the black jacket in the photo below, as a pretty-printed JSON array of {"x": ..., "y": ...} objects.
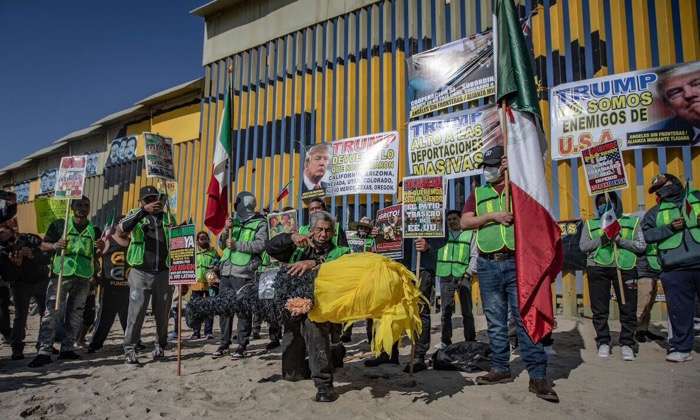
[
  {"x": 31, "y": 271},
  {"x": 156, "y": 245}
]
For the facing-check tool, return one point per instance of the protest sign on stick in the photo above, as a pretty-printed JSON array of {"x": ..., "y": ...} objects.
[
  {"x": 159, "y": 156},
  {"x": 183, "y": 270},
  {"x": 390, "y": 226}
]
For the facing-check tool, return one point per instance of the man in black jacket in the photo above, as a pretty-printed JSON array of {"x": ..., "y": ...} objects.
[{"x": 25, "y": 266}]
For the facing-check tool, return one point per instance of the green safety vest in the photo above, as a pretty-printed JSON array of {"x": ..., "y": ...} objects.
[
  {"x": 79, "y": 253},
  {"x": 137, "y": 246},
  {"x": 204, "y": 261},
  {"x": 241, "y": 232},
  {"x": 304, "y": 230},
  {"x": 626, "y": 259},
  {"x": 335, "y": 253},
  {"x": 267, "y": 262},
  {"x": 492, "y": 237},
  {"x": 453, "y": 258},
  {"x": 653, "y": 257},
  {"x": 668, "y": 212}
]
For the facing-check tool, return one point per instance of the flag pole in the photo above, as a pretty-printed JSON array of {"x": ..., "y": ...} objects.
[
  {"x": 179, "y": 327},
  {"x": 63, "y": 258},
  {"x": 413, "y": 338},
  {"x": 621, "y": 284},
  {"x": 229, "y": 166},
  {"x": 504, "y": 128}
]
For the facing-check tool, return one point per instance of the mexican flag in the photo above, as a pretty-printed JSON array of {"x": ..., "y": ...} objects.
[
  {"x": 537, "y": 262},
  {"x": 285, "y": 191},
  {"x": 217, "y": 201},
  {"x": 608, "y": 221},
  {"x": 107, "y": 230},
  {"x": 690, "y": 219}
]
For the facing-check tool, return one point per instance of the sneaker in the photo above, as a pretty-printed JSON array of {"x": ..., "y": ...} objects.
[
  {"x": 220, "y": 352},
  {"x": 54, "y": 350},
  {"x": 441, "y": 346},
  {"x": 272, "y": 345},
  {"x": 627, "y": 353},
  {"x": 326, "y": 395},
  {"x": 158, "y": 352},
  {"x": 40, "y": 360},
  {"x": 68, "y": 355},
  {"x": 238, "y": 354},
  {"x": 210, "y": 336},
  {"x": 604, "y": 350},
  {"x": 549, "y": 350},
  {"x": 679, "y": 357},
  {"x": 17, "y": 355},
  {"x": 140, "y": 346},
  {"x": 173, "y": 336},
  {"x": 195, "y": 337},
  {"x": 92, "y": 349},
  {"x": 131, "y": 359}
]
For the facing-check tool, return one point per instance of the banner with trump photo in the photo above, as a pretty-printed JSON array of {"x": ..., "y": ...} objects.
[
  {"x": 658, "y": 107},
  {"x": 453, "y": 145}
]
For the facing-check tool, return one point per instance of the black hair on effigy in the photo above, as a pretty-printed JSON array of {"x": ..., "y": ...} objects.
[{"x": 247, "y": 300}]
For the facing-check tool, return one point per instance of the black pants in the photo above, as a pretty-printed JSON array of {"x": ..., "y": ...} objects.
[
  {"x": 89, "y": 311},
  {"x": 113, "y": 301},
  {"x": 302, "y": 337},
  {"x": 22, "y": 294},
  {"x": 427, "y": 286},
  {"x": 209, "y": 322},
  {"x": 448, "y": 286},
  {"x": 5, "y": 329},
  {"x": 245, "y": 322},
  {"x": 599, "y": 281}
]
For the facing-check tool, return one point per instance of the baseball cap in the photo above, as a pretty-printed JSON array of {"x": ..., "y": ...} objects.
[
  {"x": 659, "y": 180},
  {"x": 148, "y": 191},
  {"x": 493, "y": 156}
]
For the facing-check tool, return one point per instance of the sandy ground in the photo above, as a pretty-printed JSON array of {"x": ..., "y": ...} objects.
[{"x": 102, "y": 386}]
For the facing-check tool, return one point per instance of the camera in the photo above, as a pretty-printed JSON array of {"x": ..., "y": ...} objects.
[
  {"x": 7, "y": 195},
  {"x": 162, "y": 198}
]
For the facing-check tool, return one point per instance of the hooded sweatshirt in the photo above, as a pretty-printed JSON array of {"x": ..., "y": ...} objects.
[
  {"x": 588, "y": 245},
  {"x": 687, "y": 255}
]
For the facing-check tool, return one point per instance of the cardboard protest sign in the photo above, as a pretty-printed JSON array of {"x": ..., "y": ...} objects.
[
  {"x": 423, "y": 206},
  {"x": 355, "y": 243},
  {"x": 390, "y": 239},
  {"x": 604, "y": 168},
  {"x": 172, "y": 193},
  {"x": 183, "y": 255},
  {"x": 453, "y": 145},
  {"x": 641, "y": 109},
  {"x": 70, "y": 178},
  {"x": 159, "y": 156},
  {"x": 47, "y": 210},
  {"x": 285, "y": 222}
]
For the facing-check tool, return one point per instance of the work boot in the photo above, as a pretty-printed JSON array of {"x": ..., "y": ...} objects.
[
  {"x": 494, "y": 377},
  {"x": 272, "y": 345},
  {"x": 326, "y": 395},
  {"x": 382, "y": 359},
  {"x": 418, "y": 365},
  {"x": 543, "y": 389}
]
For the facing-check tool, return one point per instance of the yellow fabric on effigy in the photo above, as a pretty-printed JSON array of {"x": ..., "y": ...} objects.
[{"x": 365, "y": 285}]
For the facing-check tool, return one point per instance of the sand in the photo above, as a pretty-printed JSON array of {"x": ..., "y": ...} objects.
[{"x": 102, "y": 386}]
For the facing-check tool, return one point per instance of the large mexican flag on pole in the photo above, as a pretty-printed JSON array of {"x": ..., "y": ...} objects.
[{"x": 217, "y": 200}]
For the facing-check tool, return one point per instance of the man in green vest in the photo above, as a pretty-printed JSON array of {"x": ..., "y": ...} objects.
[
  {"x": 302, "y": 336},
  {"x": 148, "y": 255},
  {"x": 674, "y": 227},
  {"x": 455, "y": 266},
  {"x": 83, "y": 244},
  {"x": 316, "y": 205},
  {"x": 241, "y": 259},
  {"x": 487, "y": 211},
  {"x": 602, "y": 273}
]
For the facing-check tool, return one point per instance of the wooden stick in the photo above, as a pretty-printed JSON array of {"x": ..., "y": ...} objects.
[
  {"x": 621, "y": 283},
  {"x": 413, "y": 339},
  {"x": 504, "y": 128},
  {"x": 179, "y": 327},
  {"x": 63, "y": 258}
]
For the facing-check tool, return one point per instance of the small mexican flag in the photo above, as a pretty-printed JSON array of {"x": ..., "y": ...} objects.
[
  {"x": 608, "y": 221},
  {"x": 107, "y": 231},
  {"x": 690, "y": 221},
  {"x": 285, "y": 191}
]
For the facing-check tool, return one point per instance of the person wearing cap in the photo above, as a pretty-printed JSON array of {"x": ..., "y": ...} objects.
[
  {"x": 486, "y": 211},
  {"x": 673, "y": 226},
  {"x": 82, "y": 245},
  {"x": 241, "y": 259},
  {"x": 456, "y": 266},
  {"x": 148, "y": 255},
  {"x": 601, "y": 268}
]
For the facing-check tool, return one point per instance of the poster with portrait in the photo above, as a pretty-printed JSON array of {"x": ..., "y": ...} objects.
[
  {"x": 70, "y": 178},
  {"x": 21, "y": 189},
  {"x": 47, "y": 181},
  {"x": 316, "y": 170},
  {"x": 284, "y": 222},
  {"x": 424, "y": 206},
  {"x": 159, "y": 156},
  {"x": 650, "y": 108},
  {"x": 93, "y": 158},
  {"x": 122, "y": 150},
  {"x": 389, "y": 241}
]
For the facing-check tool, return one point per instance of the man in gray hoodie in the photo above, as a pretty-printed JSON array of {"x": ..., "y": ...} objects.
[
  {"x": 674, "y": 226},
  {"x": 243, "y": 242}
]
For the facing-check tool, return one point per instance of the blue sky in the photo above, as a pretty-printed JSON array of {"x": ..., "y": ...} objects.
[{"x": 66, "y": 64}]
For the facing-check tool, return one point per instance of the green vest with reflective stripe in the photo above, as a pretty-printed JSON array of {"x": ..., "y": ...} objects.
[
  {"x": 335, "y": 253},
  {"x": 653, "y": 257},
  {"x": 304, "y": 230},
  {"x": 668, "y": 212},
  {"x": 241, "y": 232},
  {"x": 267, "y": 262},
  {"x": 493, "y": 236},
  {"x": 453, "y": 258},
  {"x": 137, "y": 246},
  {"x": 626, "y": 259},
  {"x": 204, "y": 261},
  {"x": 79, "y": 253}
]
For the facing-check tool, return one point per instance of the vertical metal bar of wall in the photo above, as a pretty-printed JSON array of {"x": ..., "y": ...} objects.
[
  {"x": 276, "y": 83},
  {"x": 346, "y": 79},
  {"x": 257, "y": 87}
]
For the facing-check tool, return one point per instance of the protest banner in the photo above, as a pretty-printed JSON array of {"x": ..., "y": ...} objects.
[
  {"x": 390, "y": 225},
  {"x": 159, "y": 156},
  {"x": 285, "y": 222},
  {"x": 122, "y": 150},
  {"x": 641, "y": 109},
  {"x": 451, "y": 74},
  {"x": 183, "y": 258},
  {"x": 21, "y": 190},
  {"x": 604, "y": 168},
  {"x": 364, "y": 165},
  {"x": 453, "y": 145},
  {"x": 423, "y": 206},
  {"x": 47, "y": 183},
  {"x": 47, "y": 210},
  {"x": 70, "y": 178},
  {"x": 171, "y": 190}
]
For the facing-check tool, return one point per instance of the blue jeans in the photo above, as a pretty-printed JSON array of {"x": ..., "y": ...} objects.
[{"x": 499, "y": 291}]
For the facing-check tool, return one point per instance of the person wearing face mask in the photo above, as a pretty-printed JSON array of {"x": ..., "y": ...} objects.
[
  {"x": 207, "y": 261},
  {"x": 241, "y": 259},
  {"x": 673, "y": 226},
  {"x": 602, "y": 273},
  {"x": 487, "y": 212},
  {"x": 82, "y": 245}
]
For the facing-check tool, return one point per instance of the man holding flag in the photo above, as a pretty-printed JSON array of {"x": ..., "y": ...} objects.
[
  {"x": 674, "y": 226},
  {"x": 515, "y": 272}
]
